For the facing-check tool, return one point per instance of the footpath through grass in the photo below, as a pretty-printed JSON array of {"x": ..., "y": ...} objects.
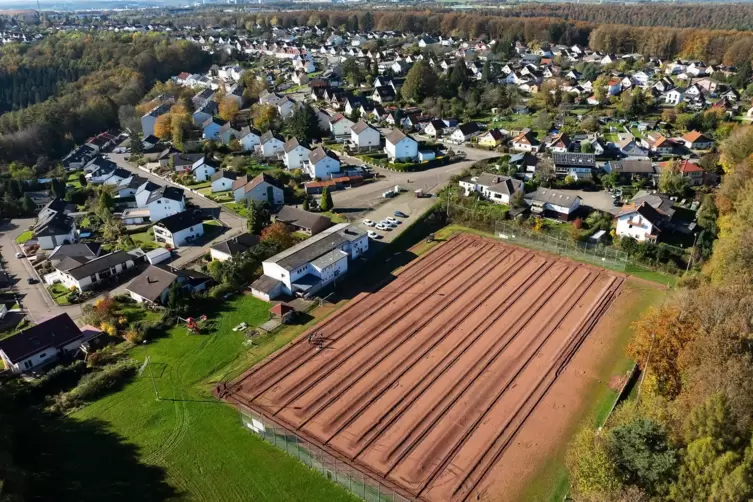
[{"x": 200, "y": 442}]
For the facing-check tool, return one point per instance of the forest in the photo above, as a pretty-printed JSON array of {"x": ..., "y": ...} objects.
[
  {"x": 78, "y": 84},
  {"x": 712, "y": 46},
  {"x": 720, "y": 16}
]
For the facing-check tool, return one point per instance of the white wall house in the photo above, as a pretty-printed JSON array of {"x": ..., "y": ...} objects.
[
  {"x": 496, "y": 188},
  {"x": 364, "y": 136},
  {"x": 179, "y": 229},
  {"x": 84, "y": 277},
  {"x": 340, "y": 125},
  {"x": 270, "y": 145},
  {"x": 44, "y": 343},
  {"x": 553, "y": 203},
  {"x": 203, "y": 170},
  {"x": 642, "y": 223},
  {"x": 260, "y": 189},
  {"x": 400, "y": 147},
  {"x": 249, "y": 138},
  {"x": 165, "y": 202},
  {"x": 295, "y": 154},
  {"x": 222, "y": 181},
  {"x": 312, "y": 264},
  {"x": 321, "y": 164}
]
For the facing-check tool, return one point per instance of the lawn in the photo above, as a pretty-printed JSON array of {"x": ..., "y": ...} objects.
[
  {"x": 25, "y": 237},
  {"x": 144, "y": 241},
  {"x": 238, "y": 208},
  {"x": 551, "y": 483},
  {"x": 200, "y": 443},
  {"x": 59, "y": 293},
  {"x": 335, "y": 217}
]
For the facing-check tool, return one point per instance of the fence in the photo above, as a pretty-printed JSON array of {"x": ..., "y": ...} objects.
[
  {"x": 334, "y": 469},
  {"x": 589, "y": 252}
]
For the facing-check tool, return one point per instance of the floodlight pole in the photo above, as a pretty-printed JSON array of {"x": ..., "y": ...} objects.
[
  {"x": 151, "y": 374},
  {"x": 645, "y": 370}
]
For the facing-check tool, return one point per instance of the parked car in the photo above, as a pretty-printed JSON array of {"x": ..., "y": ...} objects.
[
  {"x": 373, "y": 235},
  {"x": 387, "y": 223},
  {"x": 368, "y": 223},
  {"x": 31, "y": 280},
  {"x": 380, "y": 226},
  {"x": 400, "y": 214},
  {"x": 393, "y": 220},
  {"x": 19, "y": 255}
]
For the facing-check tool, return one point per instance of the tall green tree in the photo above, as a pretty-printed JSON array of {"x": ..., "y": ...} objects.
[
  {"x": 420, "y": 82},
  {"x": 326, "y": 203},
  {"x": 259, "y": 217},
  {"x": 303, "y": 124}
]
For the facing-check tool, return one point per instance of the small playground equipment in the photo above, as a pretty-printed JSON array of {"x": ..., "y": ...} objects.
[{"x": 193, "y": 323}]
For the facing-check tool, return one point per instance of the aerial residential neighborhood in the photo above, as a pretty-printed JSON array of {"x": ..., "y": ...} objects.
[{"x": 373, "y": 251}]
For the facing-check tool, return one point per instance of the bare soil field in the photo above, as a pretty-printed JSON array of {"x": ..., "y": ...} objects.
[{"x": 424, "y": 385}]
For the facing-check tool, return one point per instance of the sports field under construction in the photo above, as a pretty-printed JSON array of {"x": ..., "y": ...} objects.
[{"x": 424, "y": 384}]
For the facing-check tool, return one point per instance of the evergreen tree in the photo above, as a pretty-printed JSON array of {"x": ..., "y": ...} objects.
[
  {"x": 302, "y": 124},
  {"x": 306, "y": 204},
  {"x": 82, "y": 180},
  {"x": 326, "y": 203},
  {"x": 136, "y": 146},
  {"x": 420, "y": 82},
  {"x": 259, "y": 217},
  {"x": 28, "y": 206}
]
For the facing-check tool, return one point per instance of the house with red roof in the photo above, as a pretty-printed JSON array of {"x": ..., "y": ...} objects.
[{"x": 696, "y": 140}]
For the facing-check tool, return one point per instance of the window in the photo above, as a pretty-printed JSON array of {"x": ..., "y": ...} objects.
[
  {"x": 42, "y": 355},
  {"x": 27, "y": 364}
]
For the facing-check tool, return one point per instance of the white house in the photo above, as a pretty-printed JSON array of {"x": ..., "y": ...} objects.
[
  {"x": 464, "y": 132},
  {"x": 53, "y": 229},
  {"x": 83, "y": 274},
  {"x": 340, "y": 125},
  {"x": 642, "y": 222},
  {"x": 203, "y": 169},
  {"x": 165, "y": 201},
  {"x": 270, "y": 145},
  {"x": 496, "y": 188},
  {"x": 44, "y": 343},
  {"x": 295, "y": 153},
  {"x": 153, "y": 285},
  {"x": 261, "y": 188},
  {"x": 222, "y": 181},
  {"x": 234, "y": 246},
  {"x": 553, "y": 203},
  {"x": 364, "y": 136},
  {"x": 249, "y": 138},
  {"x": 286, "y": 107},
  {"x": 180, "y": 228},
  {"x": 526, "y": 142},
  {"x": 321, "y": 163},
  {"x": 312, "y": 264},
  {"x": 674, "y": 97},
  {"x": 145, "y": 191},
  {"x": 400, "y": 147}
]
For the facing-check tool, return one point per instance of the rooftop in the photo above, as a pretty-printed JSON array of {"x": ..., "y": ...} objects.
[{"x": 316, "y": 246}]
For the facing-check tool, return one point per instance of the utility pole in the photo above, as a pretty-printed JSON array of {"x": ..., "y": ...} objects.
[
  {"x": 151, "y": 374},
  {"x": 690, "y": 260}
]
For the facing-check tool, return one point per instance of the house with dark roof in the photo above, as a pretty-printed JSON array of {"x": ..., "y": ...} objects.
[
  {"x": 464, "y": 132},
  {"x": 303, "y": 221},
  {"x": 632, "y": 169},
  {"x": 262, "y": 188},
  {"x": 295, "y": 153},
  {"x": 153, "y": 284},
  {"x": 640, "y": 221},
  {"x": 321, "y": 163},
  {"x": 44, "y": 343},
  {"x": 53, "y": 229},
  {"x": 164, "y": 202},
  {"x": 179, "y": 228},
  {"x": 362, "y": 135},
  {"x": 89, "y": 250},
  {"x": 270, "y": 144},
  {"x": 234, "y": 246},
  {"x": 496, "y": 188},
  {"x": 578, "y": 165},
  {"x": 553, "y": 203},
  {"x": 85, "y": 272},
  {"x": 223, "y": 180}
]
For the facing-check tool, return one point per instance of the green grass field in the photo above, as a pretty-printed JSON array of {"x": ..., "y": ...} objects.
[
  {"x": 144, "y": 241},
  {"x": 200, "y": 443}
]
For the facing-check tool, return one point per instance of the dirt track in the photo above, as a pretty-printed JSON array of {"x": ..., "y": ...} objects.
[{"x": 425, "y": 383}]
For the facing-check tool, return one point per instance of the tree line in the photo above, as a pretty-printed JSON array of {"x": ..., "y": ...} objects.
[
  {"x": 708, "y": 16},
  {"x": 127, "y": 65},
  {"x": 687, "y": 437}
]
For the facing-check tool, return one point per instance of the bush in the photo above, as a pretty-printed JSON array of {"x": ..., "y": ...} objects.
[
  {"x": 96, "y": 385},
  {"x": 60, "y": 378},
  {"x": 104, "y": 356}
]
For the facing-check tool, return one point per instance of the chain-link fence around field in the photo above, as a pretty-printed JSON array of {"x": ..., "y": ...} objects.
[
  {"x": 589, "y": 252},
  {"x": 334, "y": 469}
]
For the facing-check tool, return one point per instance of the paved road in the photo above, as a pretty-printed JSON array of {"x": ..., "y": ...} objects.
[{"x": 36, "y": 302}]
